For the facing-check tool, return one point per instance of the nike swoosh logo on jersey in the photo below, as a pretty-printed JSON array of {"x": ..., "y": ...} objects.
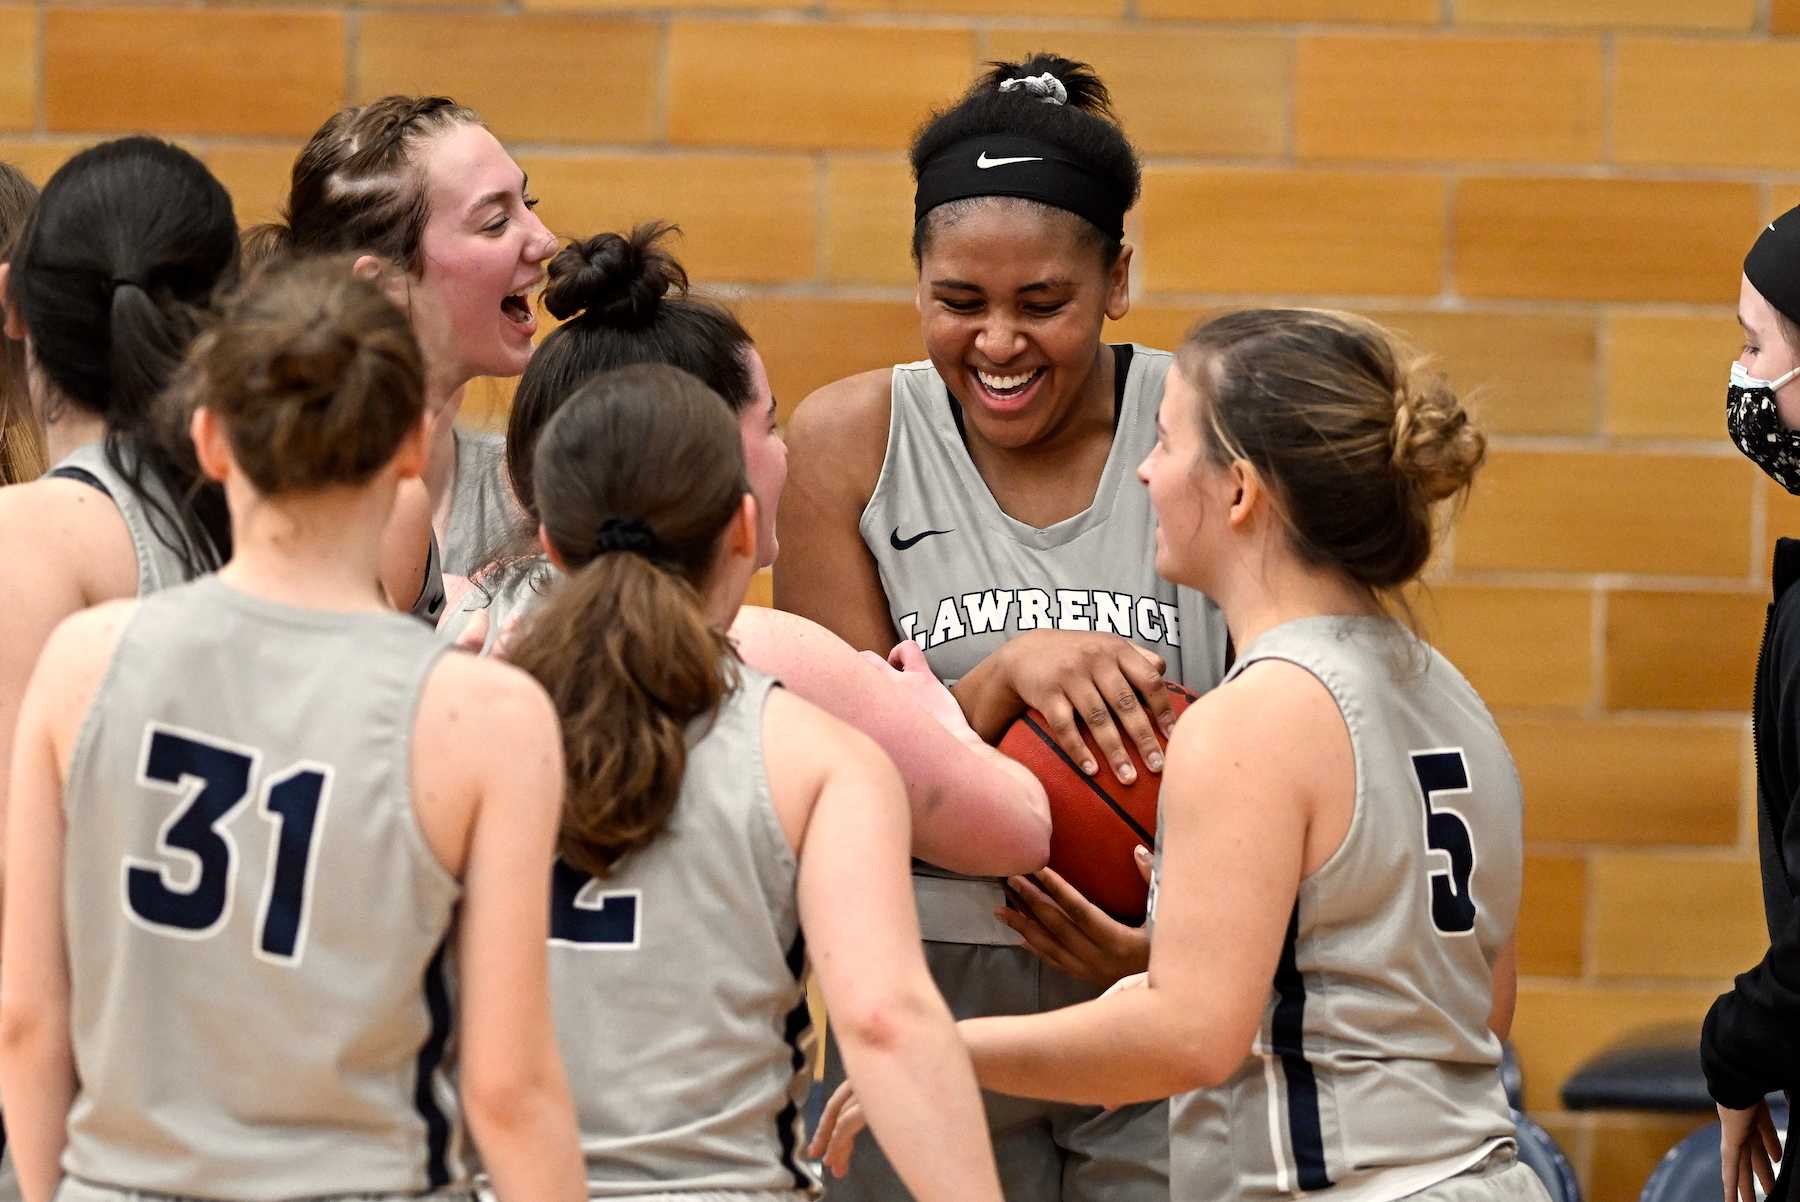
[
  {"x": 901, "y": 544},
  {"x": 984, "y": 162}
]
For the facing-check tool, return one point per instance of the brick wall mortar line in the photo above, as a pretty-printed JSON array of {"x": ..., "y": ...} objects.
[{"x": 1596, "y": 691}]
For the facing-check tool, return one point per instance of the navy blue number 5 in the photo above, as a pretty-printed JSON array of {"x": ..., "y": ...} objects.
[
  {"x": 188, "y": 893},
  {"x": 584, "y": 915},
  {"x": 1452, "y": 905}
]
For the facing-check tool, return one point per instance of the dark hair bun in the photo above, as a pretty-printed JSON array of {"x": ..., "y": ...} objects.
[
  {"x": 615, "y": 280},
  {"x": 1086, "y": 91}
]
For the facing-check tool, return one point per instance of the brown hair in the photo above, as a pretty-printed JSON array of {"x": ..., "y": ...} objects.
[
  {"x": 1354, "y": 433},
  {"x": 316, "y": 375},
  {"x": 21, "y": 452},
  {"x": 358, "y": 186},
  {"x": 623, "y": 646}
]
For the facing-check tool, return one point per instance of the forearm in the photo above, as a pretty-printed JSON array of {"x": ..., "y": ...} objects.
[
  {"x": 37, "y": 1082},
  {"x": 1750, "y": 1042},
  {"x": 530, "y": 1146},
  {"x": 987, "y": 697},
  {"x": 919, "y": 1096},
  {"x": 1134, "y": 1045}
]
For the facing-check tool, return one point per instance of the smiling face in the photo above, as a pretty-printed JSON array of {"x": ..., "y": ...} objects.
[
  {"x": 481, "y": 256},
  {"x": 1177, "y": 472},
  {"x": 1011, "y": 299},
  {"x": 765, "y": 456},
  {"x": 1767, "y": 354}
]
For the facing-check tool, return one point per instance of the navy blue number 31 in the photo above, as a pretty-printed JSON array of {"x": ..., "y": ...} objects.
[
  {"x": 1452, "y": 905},
  {"x": 215, "y": 780}
]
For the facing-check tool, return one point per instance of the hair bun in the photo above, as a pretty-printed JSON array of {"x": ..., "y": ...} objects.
[
  {"x": 1436, "y": 447},
  {"x": 312, "y": 365},
  {"x": 615, "y": 280},
  {"x": 1051, "y": 79}
]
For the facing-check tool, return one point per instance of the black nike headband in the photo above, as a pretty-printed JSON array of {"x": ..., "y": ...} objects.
[
  {"x": 1009, "y": 165},
  {"x": 1773, "y": 264}
]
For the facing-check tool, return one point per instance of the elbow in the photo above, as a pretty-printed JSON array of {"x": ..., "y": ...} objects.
[
  {"x": 499, "y": 1100},
  {"x": 22, "y": 1028},
  {"x": 886, "y": 1023}
]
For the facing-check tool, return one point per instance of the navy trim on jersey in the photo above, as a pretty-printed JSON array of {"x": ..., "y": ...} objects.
[
  {"x": 799, "y": 1020},
  {"x": 1286, "y": 1032},
  {"x": 1125, "y": 816},
  {"x": 431, "y": 1058},
  {"x": 80, "y": 474}
]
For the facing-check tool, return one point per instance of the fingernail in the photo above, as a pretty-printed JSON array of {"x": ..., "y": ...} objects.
[
  {"x": 1126, "y": 772},
  {"x": 1089, "y": 767},
  {"x": 1141, "y": 852},
  {"x": 1155, "y": 761}
]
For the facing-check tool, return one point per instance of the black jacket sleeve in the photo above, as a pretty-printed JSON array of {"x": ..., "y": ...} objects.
[{"x": 1750, "y": 1044}]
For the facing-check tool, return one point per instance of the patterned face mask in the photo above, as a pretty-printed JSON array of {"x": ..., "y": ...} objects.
[{"x": 1755, "y": 426}]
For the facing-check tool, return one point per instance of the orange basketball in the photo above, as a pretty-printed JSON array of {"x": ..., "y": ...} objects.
[{"x": 1094, "y": 820}]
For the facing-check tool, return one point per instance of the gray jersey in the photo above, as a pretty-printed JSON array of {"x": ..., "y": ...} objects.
[
  {"x": 962, "y": 577},
  {"x": 676, "y": 983},
  {"x": 1374, "y": 1074},
  {"x": 158, "y": 565},
  {"x": 256, "y": 927},
  {"x": 482, "y": 510}
]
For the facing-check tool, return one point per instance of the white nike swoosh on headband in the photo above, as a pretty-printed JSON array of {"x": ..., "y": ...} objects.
[{"x": 984, "y": 162}]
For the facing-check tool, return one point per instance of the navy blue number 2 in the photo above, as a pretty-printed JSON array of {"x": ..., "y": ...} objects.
[
  {"x": 1452, "y": 905},
  {"x": 214, "y": 780},
  {"x": 584, "y": 915}
]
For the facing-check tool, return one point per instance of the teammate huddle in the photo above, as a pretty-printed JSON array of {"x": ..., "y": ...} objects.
[{"x": 277, "y": 856}]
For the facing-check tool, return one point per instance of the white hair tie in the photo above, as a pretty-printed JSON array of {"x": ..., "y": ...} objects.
[{"x": 1046, "y": 88}]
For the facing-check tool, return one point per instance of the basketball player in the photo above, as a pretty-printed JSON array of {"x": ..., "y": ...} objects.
[
  {"x": 624, "y": 300},
  {"x": 432, "y": 204},
  {"x": 718, "y": 833},
  {"x": 1331, "y": 966},
  {"x": 266, "y": 787},
  {"x": 21, "y": 456},
  {"x": 981, "y": 503}
]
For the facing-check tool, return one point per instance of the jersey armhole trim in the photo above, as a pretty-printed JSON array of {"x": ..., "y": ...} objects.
[
  {"x": 409, "y": 735},
  {"x": 887, "y": 453}
]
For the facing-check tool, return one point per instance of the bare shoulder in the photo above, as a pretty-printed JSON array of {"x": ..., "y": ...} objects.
[
  {"x": 1272, "y": 719},
  {"x": 65, "y": 527},
  {"x": 75, "y": 659},
  {"x": 841, "y": 429},
  {"x": 481, "y": 700},
  {"x": 802, "y": 739},
  {"x": 774, "y": 640}
]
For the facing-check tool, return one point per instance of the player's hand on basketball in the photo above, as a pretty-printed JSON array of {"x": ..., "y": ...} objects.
[
  {"x": 1748, "y": 1150},
  {"x": 1070, "y": 933},
  {"x": 1101, "y": 681},
  {"x": 839, "y": 1124}
]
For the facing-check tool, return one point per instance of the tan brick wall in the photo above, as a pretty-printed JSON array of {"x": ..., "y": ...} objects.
[{"x": 1552, "y": 194}]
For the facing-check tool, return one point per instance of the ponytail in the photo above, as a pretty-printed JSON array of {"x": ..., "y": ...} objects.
[
  {"x": 624, "y": 647},
  {"x": 629, "y": 659}
]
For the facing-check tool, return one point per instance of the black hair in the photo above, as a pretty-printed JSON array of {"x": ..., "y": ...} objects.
[
  {"x": 1085, "y": 128},
  {"x": 114, "y": 274},
  {"x": 623, "y": 299}
]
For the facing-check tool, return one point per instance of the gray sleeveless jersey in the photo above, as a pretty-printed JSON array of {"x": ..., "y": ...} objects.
[
  {"x": 676, "y": 982},
  {"x": 962, "y": 577},
  {"x": 1374, "y": 1073},
  {"x": 482, "y": 510},
  {"x": 256, "y": 928},
  {"x": 158, "y": 566}
]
